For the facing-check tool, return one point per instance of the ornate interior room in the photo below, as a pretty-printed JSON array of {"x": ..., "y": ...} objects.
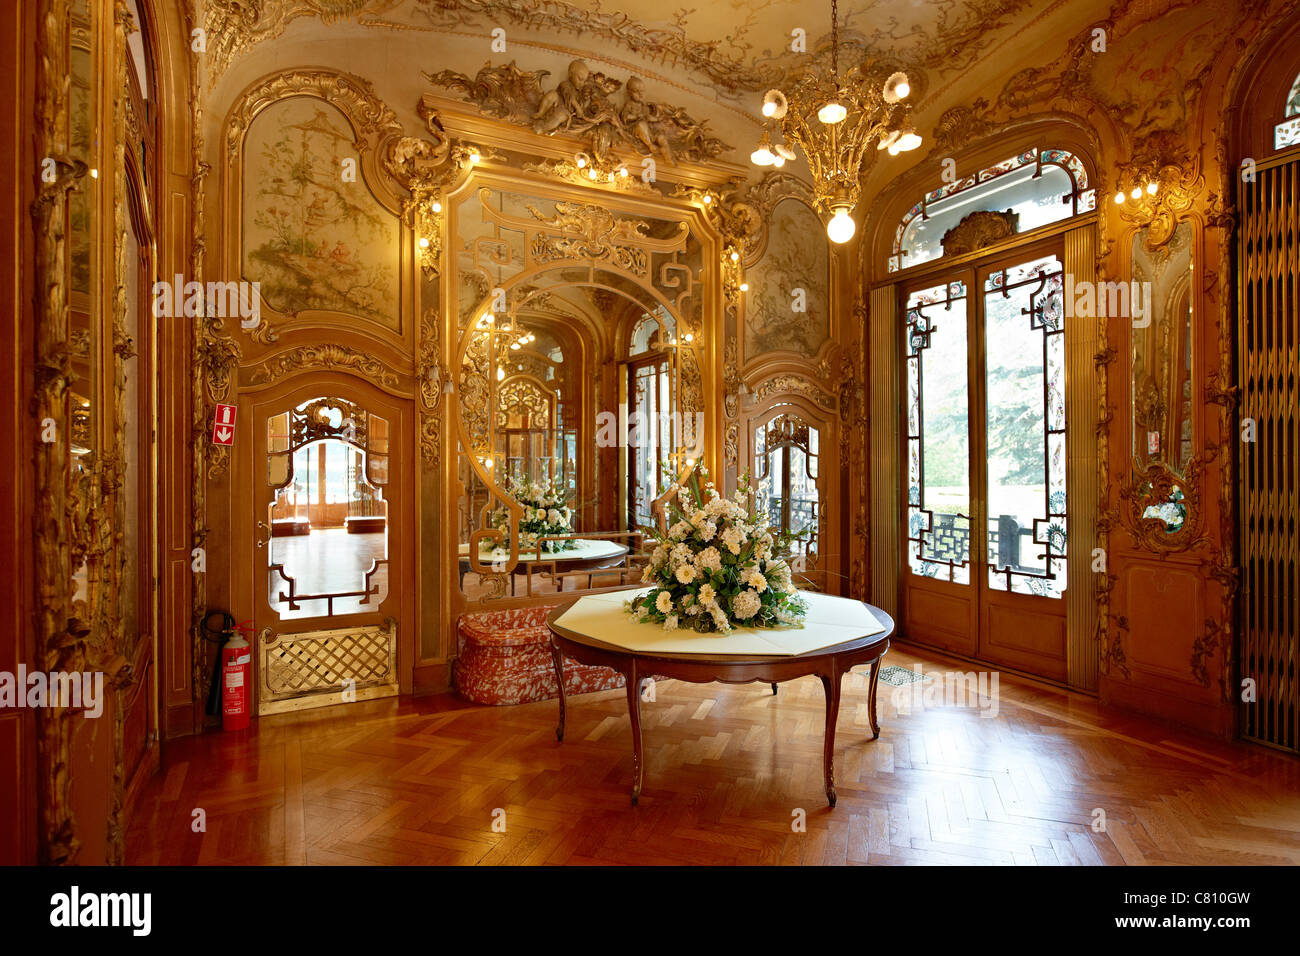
[{"x": 563, "y": 432}]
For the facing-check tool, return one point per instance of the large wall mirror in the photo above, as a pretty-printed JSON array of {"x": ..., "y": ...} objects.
[
  {"x": 82, "y": 275},
  {"x": 1160, "y": 382},
  {"x": 578, "y": 379}
]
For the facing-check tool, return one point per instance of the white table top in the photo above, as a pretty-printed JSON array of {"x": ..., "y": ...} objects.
[
  {"x": 830, "y": 620},
  {"x": 585, "y": 549}
]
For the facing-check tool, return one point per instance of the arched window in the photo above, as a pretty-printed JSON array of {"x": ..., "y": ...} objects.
[
  {"x": 1287, "y": 132},
  {"x": 1039, "y": 186}
]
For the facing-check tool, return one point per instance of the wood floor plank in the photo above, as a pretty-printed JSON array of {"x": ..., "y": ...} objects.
[{"x": 728, "y": 770}]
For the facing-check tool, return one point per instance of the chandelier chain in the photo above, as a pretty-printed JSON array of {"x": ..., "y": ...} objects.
[{"x": 835, "y": 41}]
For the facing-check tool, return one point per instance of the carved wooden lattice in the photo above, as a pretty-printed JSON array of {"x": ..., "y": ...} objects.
[{"x": 313, "y": 669}]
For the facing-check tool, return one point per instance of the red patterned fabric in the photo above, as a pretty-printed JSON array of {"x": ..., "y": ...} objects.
[{"x": 505, "y": 658}]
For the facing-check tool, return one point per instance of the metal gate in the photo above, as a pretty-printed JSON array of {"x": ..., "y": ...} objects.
[{"x": 1268, "y": 371}]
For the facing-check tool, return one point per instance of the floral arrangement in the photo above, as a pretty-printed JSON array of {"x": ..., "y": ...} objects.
[
  {"x": 546, "y": 513},
  {"x": 718, "y": 566}
]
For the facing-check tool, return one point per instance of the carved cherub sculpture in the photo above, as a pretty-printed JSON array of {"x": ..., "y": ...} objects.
[
  {"x": 560, "y": 107},
  {"x": 645, "y": 120}
]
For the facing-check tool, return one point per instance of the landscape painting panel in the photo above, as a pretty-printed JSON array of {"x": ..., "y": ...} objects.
[
  {"x": 313, "y": 239},
  {"x": 796, "y": 258}
]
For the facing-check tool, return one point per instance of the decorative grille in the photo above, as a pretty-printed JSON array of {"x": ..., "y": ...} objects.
[
  {"x": 319, "y": 668},
  {"x": 1268, "y": 373}
]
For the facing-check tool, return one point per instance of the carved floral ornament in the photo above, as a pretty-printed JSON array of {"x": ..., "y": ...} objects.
[{"x": 1156, "y": 191}]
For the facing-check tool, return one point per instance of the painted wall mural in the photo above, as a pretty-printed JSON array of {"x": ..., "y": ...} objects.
[
  {"x": 314, "y": 237},
  {"x": 789, "y": 263}
]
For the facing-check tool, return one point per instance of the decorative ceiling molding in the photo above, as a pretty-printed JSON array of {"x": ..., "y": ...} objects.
[{"x": 583, "y": 105}]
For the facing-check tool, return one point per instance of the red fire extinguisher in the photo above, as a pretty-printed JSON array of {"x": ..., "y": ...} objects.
[{"x": 236, "y": 677}]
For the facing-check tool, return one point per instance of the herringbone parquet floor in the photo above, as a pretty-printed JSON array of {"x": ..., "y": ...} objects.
[{"x": 731, "y": 774}]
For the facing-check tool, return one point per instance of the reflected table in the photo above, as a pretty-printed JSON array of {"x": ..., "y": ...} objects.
[
  {"x": 588, "y": 554},
  {"x": 837, "y": 635}
]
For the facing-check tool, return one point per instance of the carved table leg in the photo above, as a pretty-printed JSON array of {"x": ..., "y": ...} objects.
[
  {"x": 831, "y": 685},
  {"x": 871, "y": 701},
  {"x": 634, "y": 713},
  {"x": 558, "y": 659}
]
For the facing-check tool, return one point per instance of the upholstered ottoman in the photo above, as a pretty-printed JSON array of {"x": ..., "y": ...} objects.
[{"x": 505, "y": 658}]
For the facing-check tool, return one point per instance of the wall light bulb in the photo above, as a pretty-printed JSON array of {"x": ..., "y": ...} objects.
[
  {"x": 1152, "y": 187},
  {"x": 1137, "y": 192},
  {"x": 424, "y": 243},
  {"x": 1119, "y": 197},
  {"x": 437, "y": 207}
]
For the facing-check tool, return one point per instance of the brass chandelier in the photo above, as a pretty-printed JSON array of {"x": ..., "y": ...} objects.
[{"x": 834, "y": 120}]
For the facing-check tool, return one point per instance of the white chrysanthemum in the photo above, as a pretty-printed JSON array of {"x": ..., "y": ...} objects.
[
  {"x": 707, "y": 595},
  {"x": 710, "y": 559},
  {"x": 745, "y": 605},
  {"x": 685, "y": 573},
  {"x": 664, "y": 602},
  {"x": 754, "y": 578},
  {"x": 647, "y": 574},
  {"x": 670, "y": 622}
]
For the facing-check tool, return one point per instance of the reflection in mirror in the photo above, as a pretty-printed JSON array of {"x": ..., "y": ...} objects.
[
  {"x": 650, "y": 404},
  {"x": 82, "y": 288},
  {"x": 1162, "y": 354},
  {"x": 1161, "y": 384},
  {"x": 786, "y": 457},
  {"x": 327, "y": 551}
]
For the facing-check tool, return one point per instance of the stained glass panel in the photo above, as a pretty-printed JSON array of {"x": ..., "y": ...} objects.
[
  {"x": 938, "y": 430},
  {"x": 1024, "y": 343}
]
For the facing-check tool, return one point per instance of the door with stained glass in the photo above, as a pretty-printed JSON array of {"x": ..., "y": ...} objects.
[{"x": 985, "y": 451}]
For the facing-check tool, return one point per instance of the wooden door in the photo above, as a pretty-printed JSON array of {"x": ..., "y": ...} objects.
[
  {"x": 328, "y": 543},
  {"x": 984, "y": 446}
]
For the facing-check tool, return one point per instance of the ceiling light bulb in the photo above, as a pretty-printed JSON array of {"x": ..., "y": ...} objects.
[
  {"x": 832, "y": 113},
  {"x": 763, "y": 156},
  {"x": 778, "y": 161},
  {"x": 890, "y": 140},
  {"x": 622, "y": 171},
  {"x": 735, "y": 257},
  {"x": 424, "y": 243},
  {"x": 707, "y": 199},
  {"x": 908, "y": 140},
  {"x": 591, "y": 174},
  {"x": 1119, "y": 196},
  {"x": 774, "y": 104},
  {"x": 437, "y": 207},
  {"x": 474, "y": 157},
  {"x": 896, "y": 87},
  {"x": 841, "y": 227},
  {"x": 689, "y": 337},
  {"x": 582, "y": 161},
  {"x": 1136, "y": 193},
  {"x": 1152, "y": 187},
  {"x": 516, "y": 347},
  {"x": 784, "y": 151}
]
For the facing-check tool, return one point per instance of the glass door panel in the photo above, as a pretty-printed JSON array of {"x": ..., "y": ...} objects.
[
  {"x": 1024, "y": 435},
  {"x": 938, "y": 430}
]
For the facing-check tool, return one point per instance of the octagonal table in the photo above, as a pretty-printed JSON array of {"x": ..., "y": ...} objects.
[{"x": 837, "y": 635}]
